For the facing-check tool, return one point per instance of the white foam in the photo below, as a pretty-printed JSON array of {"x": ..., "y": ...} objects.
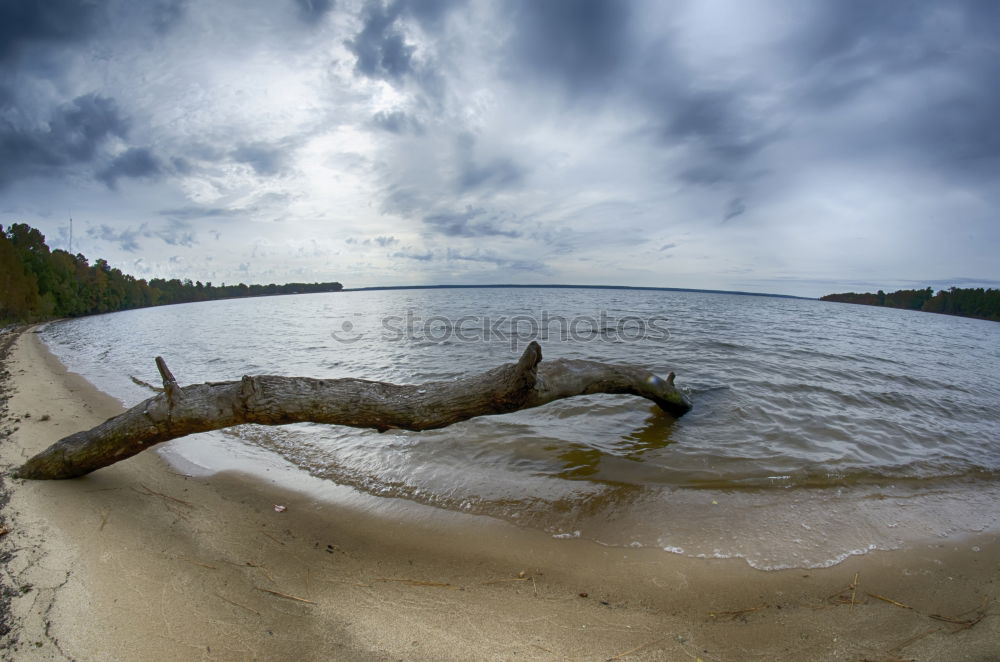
[{"x": 565, "y": 536}]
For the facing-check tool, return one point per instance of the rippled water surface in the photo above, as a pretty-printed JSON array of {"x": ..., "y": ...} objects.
[{"x": 819, "y": 430}]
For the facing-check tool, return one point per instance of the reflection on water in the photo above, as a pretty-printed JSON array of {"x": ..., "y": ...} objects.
[
  {"x": 582, "y": 461},
  {"x": 653, "y": 435},
  {"x": 805, "y": 411}
]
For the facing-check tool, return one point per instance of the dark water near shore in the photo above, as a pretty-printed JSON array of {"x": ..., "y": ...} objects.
[{"x": 819, "y": 430}]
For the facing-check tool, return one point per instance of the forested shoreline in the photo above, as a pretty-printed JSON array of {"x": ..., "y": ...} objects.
[
  {"x": 965, "y": 302},
  {"x": 37, "y": 283}
]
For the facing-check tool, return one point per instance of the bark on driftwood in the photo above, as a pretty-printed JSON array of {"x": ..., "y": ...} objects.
[{"x": 269, "y": 400}]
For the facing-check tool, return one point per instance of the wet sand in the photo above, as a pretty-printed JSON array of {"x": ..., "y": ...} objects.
[{"x": 141, "y": 562}]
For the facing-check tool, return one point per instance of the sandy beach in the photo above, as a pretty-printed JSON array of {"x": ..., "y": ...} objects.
[{"x": 142, "y": 562}]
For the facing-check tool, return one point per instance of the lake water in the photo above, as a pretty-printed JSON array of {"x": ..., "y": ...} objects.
[{"x": 819, "y": 430}]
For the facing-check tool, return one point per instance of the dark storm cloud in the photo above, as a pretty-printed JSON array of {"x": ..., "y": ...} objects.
[
  {"x": 73, "y": 135},
  {"x": 380, "y": 48},
  {"x": 716, "y": 125},
  {"x": 313, "y": 11},
  {"x": 470, "y": 223},
  {"x": 961, "y": 131},
  {"x": 52, "y": 21},
  {"x": 40, "y": 43},
  {"x": 78, "y": 128},
  {"x": 837, "y": 53},
  {"x": 714, "y": 120},
  {"x": 858, "y": 51},
  {"x": 582, "y": 44},
  {"x": 593, "y": 50},
  {"x": 956, "y": 129},
  {"x": 849, "y": 45},
  {"x": 57, "y": 23},
  {"x": 136, "y": 162},
  {"x": 166, "y": 14}
]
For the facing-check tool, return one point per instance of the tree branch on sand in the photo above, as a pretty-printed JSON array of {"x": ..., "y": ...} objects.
[{"x": 360, "y": 403}]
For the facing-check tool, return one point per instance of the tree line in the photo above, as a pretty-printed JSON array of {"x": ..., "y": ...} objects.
[
  {"x": 37, "y": 283},
  {"x": 965, "y": 302}
]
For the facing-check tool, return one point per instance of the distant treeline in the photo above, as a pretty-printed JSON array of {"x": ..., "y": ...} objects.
[
  {"x": 966, "y": 302},
  {"x": 38, "y": 284}
]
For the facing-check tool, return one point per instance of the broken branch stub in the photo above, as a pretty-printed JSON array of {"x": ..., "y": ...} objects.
[{"x": 360, "y": 403}]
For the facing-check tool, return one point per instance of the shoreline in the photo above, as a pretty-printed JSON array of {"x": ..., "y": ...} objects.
[{"x": 138, "y": 562}]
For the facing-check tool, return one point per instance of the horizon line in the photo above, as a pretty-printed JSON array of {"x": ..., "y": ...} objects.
[{"x": 571, "y": 286}]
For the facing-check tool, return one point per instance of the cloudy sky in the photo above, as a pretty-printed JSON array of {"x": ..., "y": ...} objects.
[{"x": 777, "y": 146}]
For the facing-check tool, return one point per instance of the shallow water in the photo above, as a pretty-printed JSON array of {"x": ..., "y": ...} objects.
[{"x": 819, "y": 430}]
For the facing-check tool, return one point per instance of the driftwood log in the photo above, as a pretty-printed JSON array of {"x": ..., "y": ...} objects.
[{"x": 268, "y": 400}]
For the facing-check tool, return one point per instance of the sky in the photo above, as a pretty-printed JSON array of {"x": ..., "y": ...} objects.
[{"x": 773, "y": 146}]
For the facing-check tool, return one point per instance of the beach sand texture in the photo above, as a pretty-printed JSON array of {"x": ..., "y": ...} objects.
[{"x": 140, "y": 562}]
